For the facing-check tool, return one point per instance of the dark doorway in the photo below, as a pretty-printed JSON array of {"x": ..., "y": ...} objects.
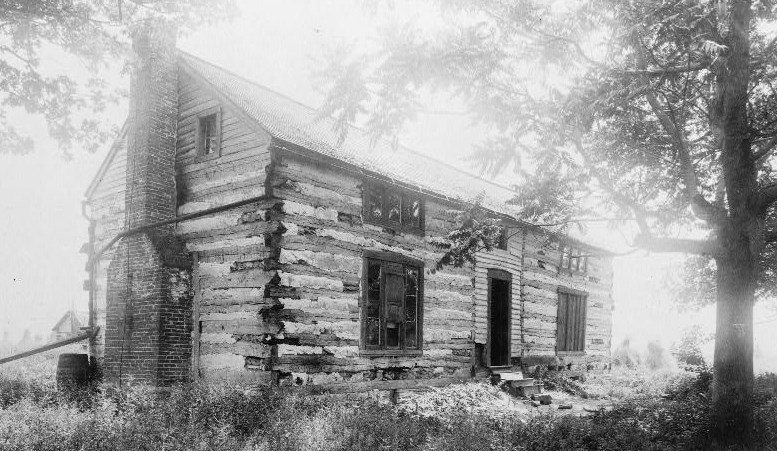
[{"x": 499, "y": 315}]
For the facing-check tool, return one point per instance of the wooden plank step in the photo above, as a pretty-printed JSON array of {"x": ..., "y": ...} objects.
[
  {"x": 516, "y": 376},
  {"x": 501, "y": 369},
  {"x": 522, "y": 382}
]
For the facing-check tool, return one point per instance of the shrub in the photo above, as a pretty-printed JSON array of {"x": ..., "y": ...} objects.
[
  {"x": 688, "y": 350},
  {"x": 453, "y": 399},
  {"x": 462, "y": 417},
  {"x": 624, "y": 356},
  {"x": 314, "y": 425},
  {"x": 656, "y": 357},
  {"x": 14, "y": 389}
]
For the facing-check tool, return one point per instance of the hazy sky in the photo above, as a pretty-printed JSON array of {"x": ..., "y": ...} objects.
[{"x": 276, "y": 43}]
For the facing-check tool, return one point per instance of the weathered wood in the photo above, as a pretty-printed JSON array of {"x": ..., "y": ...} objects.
[{"x": 278, "y": 284}]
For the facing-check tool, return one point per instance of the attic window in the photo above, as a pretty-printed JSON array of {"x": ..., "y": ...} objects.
[
  {"x": 573, "y": 260},
  {"x": 209, "y": 133},
  {"x": 393, "y": 208}
]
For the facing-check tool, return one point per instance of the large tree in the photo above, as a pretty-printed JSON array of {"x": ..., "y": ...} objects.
[
  {"x": 660, "y": 111},
  {"x": 95, "y": 36}
]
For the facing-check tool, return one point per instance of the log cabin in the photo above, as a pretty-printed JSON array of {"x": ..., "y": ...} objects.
[{"x": 262, "y": 249}]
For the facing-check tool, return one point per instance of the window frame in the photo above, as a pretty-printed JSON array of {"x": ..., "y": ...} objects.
[
  {"x": 390, "y": 257},
  {"x": 199, "y": 145},
  {"x": 570, "y": 252},
  {"x": 384, "y": 191},
  {"x": 583, "y": 296}
]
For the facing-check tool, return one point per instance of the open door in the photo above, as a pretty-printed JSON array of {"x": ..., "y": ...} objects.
[{"x": 499, "y": 317}]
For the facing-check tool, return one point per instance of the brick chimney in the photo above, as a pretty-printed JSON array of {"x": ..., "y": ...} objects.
[{"x": 148, "y": 324}]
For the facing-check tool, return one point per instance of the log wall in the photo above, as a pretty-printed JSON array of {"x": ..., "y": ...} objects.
[
  {"x": 318, "y": 283},
  {"x": 229, "y": 248},
  {"x": 541, "y": 280},
  {"x": 277, "y": 283}
]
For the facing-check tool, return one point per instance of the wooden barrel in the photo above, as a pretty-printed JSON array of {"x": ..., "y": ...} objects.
[{"x": 72, "y": 371}]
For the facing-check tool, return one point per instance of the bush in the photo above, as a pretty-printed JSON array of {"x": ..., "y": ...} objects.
[
  {"x": 656, "y": 357},
  {"x": 688, "y": 350},
  {"x": 139, "y": 418},
  {"x": 13, "y": 389},
  {"x": 560, "y": 382},
  {"x": 624, "y": 356},
  {"x": 670, "y": 412}
]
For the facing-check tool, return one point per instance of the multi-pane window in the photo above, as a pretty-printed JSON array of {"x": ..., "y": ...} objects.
[
  {"x": 570, "y": 332},
  {"x": 393, "y": 208},
  {"x": 573, "y": 259},
  {"x": 392, "y": 305},
  {"x": 209, "y": 134}
]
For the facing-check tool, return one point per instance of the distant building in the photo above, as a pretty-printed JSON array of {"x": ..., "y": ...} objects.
[{"x": 69, "y": 325}]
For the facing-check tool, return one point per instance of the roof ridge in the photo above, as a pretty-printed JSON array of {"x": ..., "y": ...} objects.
[{"x": 350, "y": 126}]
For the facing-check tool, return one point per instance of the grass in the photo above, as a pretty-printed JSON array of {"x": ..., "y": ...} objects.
[{"x": 662, "y": 410}]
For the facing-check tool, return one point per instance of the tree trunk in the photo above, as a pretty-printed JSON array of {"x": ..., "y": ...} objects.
[
  {"x": 732, "y": 386},
  {"x": 741, "y": 240}
]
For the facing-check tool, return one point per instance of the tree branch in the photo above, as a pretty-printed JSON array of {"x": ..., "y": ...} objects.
[
  {"x": 668, "y": 70},
  {"x": 640, "y": 214},
  {"x": 770, "y": 236},
  {"x": 575, "y": 45},
  {"x": 767, "y": 196},
  {"x": 764, "y": 150},
  {"x": 699, "y": 205},
  {"x": 688, "y": 246}
]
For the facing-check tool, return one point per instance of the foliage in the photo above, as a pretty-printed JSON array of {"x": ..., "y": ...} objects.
[
  {"x": 447, "y": 401},
  {"x": 656, "y": 357},
  {"x": 15, "y": 389},
  {"x": 184, "y": 418},
  {"x": 625, "y": 108},
  {"x": 661, "y": 112},
  {"x": 688, "y": 350},
  {"x": 462, "y": 417},
  {"x": 558, "y": 381},
  {"x": 475, "y": 232},
  {"x": 625, "y": 383},
  {"x": 623, "y": 355},
  {"x": 95, "y": 34}
]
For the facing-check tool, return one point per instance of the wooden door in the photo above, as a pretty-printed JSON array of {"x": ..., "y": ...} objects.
[{"x": 499, "y": 317}]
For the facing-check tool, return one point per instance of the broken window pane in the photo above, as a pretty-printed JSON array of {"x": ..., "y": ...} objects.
[
  {"x": 373, "y": 332},
  {"x": 395, "y": 289},
  {"x": 410, "y": 308},
  {"x": 373, "y": 280},
  {"x": 410, "y": 336},
  {"x": 394, "y": 208},
  {"x": 392, "y": 334},
  {"x": 411, "y": 213},
  {"x": 565, "y": 257},
  {"x": 374, "y": 206},
  {"x": 412, "y": 281},
  {"x": 208, "y": 134}
]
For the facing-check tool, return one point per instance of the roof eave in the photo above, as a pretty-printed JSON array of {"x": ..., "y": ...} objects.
[{"x": 107, "y": 161}]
